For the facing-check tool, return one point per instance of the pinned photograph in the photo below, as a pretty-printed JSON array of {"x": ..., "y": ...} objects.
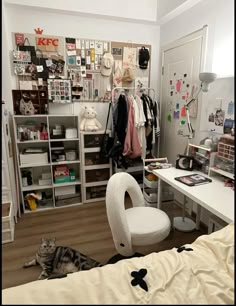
[{"x": 117, "y": 51}]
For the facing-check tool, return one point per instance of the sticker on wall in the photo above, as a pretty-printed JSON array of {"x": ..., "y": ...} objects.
[
  {"x": 211, "y": 117},
  {"x": 171, "y": 82},
  {"x": 171, "y": 93},
  {"x": 105, "y": 46},
  {"x": 185, "y": 75},
  {"x": 70, "y": 43},
  {"x": 230, "y": 109},
  {"x": 182, "y": 122},
  {"x": 78, "y": 44},
  {"x": 176, "y": 114},
  {"x": 178, "y": 86},
  {"x": 177, "y": 105},
  {"x": 219, "y": 117},
  {"x": 169, "y": 117},
  {"x": 82, "y": 44},
  {"x": 19, "y": 39},
  {"x": 183, "y": 112},
  {"x": 71, "y": 60},
  {"x": 86, "y": 44},
  {"x": 98, "y": 47}
]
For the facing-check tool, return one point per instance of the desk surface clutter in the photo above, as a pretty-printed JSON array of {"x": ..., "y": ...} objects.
[{"x": 214, "y": 197}]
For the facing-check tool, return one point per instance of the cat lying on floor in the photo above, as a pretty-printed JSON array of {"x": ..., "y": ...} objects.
[{"x": 60, "y": 260}]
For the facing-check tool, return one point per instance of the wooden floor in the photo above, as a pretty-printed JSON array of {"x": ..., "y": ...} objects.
[{"x": 84, "y": 228}]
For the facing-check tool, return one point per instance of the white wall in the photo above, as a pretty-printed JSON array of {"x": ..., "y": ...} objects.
[
  {"x": 219, "y": 16},
  {"x": 24, "y": 20},
  {"x": 132, "y": 9}
]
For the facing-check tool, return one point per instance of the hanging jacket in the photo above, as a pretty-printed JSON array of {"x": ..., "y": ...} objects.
[
  {"x": 122, "y": 118},
  {"x": 132, "y": 147}
]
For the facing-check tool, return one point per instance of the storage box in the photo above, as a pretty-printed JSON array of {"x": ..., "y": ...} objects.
[
  {"x": 34, "y": 158},
  {"x": 150, "y": 195},
  {"x": 62, "y": 179},
  {"x": 46, "y": 176},
  {"x": 65, "y": 190},
  {"x": 43, "y": 182},
  {"x": 8, "y": 223}
]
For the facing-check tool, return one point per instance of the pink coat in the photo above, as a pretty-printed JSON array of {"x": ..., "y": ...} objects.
[{"x": 132, "y": 146}]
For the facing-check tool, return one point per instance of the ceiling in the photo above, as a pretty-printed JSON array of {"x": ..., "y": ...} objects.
[{"x": 155, "y": 12}]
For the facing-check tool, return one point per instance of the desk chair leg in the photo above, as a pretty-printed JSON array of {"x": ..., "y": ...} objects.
[{"x": 184, "y": 224}]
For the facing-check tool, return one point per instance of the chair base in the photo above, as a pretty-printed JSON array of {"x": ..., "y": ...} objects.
[{"x": 119, "y": 257}]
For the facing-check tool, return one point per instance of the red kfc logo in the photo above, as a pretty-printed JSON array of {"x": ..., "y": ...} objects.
[{"x": 41, "y": 41}]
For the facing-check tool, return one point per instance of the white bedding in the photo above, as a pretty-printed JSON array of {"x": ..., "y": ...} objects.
[{"x": 204, "y": 275}]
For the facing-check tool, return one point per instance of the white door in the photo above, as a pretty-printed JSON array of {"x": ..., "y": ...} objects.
[
  {"x": 9, "y": 186},
  {"x": 181, "y": 63}
]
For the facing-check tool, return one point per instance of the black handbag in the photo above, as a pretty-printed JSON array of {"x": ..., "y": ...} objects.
[
  {"x": 107, "y": 141},
  {"x": 28, "y": 48}
]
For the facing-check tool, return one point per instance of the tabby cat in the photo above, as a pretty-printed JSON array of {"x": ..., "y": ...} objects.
[{"x": 60, "y": 260}]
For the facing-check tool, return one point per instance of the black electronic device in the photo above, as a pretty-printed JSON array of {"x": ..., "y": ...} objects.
[{"x": 184, "y": 162}]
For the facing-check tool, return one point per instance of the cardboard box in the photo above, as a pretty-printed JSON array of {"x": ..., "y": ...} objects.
[
  {"x": 65, "y": 190},
  {"x": 43, "y": 182},
  {"x": 34, "y": 158},
  {"x": 46, "y": 176}
]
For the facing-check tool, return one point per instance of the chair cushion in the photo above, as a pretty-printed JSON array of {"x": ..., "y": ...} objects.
[{"x": 147, "y": 225}]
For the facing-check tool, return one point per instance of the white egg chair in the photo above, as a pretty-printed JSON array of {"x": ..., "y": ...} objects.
[{"x": 135, "y": 226}]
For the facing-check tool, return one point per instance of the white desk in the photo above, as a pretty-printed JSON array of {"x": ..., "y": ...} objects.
[{"x": 214, "y": 196}]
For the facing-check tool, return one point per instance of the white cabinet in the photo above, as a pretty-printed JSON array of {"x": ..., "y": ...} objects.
[
  {"x": 96, "y": 169},
  {"x": 50, "y": 167}
]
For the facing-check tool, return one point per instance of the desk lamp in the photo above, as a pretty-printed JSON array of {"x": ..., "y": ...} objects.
[{"x": 182, "y": 223}]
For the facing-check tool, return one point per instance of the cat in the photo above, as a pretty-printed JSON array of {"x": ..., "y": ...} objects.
[{"x": 59, "y": 259}]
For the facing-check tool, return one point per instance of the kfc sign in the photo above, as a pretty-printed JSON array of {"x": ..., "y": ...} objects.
[{"x": 47, "y": 43}]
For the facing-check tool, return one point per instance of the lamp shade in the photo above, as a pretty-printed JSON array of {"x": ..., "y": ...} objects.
[{"x": 206, "y": 78}]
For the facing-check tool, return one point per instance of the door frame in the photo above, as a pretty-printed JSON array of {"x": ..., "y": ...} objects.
[{"x": 201, "y": 33}]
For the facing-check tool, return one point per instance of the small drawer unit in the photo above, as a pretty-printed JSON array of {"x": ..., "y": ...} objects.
[
  {"x": 96, "y": 192},
  {"x": 97, "y": 169},
  {"x": 93, "y": 141},
  {"x": 97, "y": 175},
  {"x": 94, "y": 158},
  {"x": 8, "y": 223}
]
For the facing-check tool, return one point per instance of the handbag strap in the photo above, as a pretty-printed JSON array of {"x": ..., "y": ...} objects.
[
  {"x": 26, "y": 40},
  {"x": 108, "y": 116}
]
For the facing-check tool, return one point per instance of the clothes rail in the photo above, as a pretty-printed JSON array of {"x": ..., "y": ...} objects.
[{"x": 131, "y": 88}]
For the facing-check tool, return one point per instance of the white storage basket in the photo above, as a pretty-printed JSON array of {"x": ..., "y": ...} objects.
[
  {"x": 150, "y": 184},
  {"x": 8, "y": 223},
  {"x": 150, "y": 195}
]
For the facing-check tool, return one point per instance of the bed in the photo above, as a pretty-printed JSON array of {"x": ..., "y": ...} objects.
[{"x": 197, "y": 273}]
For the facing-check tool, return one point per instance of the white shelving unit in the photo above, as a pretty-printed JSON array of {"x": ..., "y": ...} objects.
[
  {"x": 96, "y": 169},
  {"x": 213, "y": 171},
  {"x": 52, "y": 201},
  {"x": 150, "y": 188}
]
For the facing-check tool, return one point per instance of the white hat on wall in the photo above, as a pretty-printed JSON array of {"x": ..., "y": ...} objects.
[{"x": 107, "y": 64}]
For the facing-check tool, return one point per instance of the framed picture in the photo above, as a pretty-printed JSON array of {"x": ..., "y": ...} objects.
[{"x": 59, "y": 91}]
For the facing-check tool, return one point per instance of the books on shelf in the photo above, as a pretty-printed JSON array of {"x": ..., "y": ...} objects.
[{"x": 193, "y": 179}]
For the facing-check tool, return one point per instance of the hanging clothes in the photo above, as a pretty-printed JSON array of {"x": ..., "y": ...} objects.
[
  {"x": 132, "y": 147},
  {"x": 121, "y": 118},
  {"x": 140, "y": 123}
]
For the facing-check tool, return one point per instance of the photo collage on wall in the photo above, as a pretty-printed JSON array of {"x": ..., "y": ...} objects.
[
  {"x": 59, "y": 91},
  {"x": 75, "y": 69}
]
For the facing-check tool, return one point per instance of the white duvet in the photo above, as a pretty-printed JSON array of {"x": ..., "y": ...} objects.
[{"x": 204, "y": 275}]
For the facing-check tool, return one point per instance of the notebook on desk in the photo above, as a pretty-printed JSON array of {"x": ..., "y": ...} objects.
[{"x": 193, "y": 179}]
